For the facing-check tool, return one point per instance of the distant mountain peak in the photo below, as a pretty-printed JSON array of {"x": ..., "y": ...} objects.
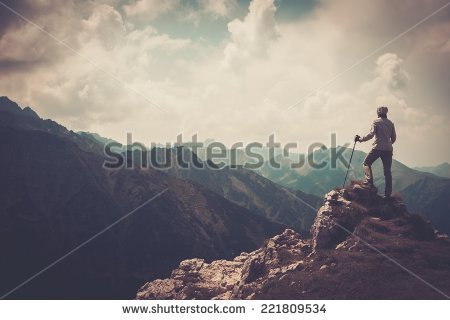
[
  {"x": 95, "y": 137},
  {"x": 7, "y": 105},
  {"x": 441, "y": 170},
  {"x": 30, "y": 112}
]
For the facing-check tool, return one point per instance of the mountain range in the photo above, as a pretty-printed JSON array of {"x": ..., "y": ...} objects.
[
  {"x": 423, "y": 192},
  {"x": 442, "y": 170},
  {"x": 58, "y": 198},
  {"x": 57, "y": 194}
]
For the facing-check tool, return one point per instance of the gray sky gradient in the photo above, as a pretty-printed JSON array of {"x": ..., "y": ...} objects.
[{"x": 228, "y": 69}]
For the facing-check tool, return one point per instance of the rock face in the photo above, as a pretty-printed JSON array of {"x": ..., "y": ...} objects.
[
  {"x": 344, "y": 210},
  {"x": 353, "y": 234},
  {"x": 239, "y": 278}
]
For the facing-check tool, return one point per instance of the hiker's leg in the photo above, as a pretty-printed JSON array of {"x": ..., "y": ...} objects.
[
  {"x": 387, "y": 165},
  {"x": 370, "y": 159}
]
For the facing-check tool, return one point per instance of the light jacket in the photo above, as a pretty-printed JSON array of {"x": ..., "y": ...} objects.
[{"x": 384, "y": 131}]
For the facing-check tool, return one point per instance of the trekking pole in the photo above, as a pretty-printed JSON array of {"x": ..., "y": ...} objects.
[{"x": 345, "y": 180}]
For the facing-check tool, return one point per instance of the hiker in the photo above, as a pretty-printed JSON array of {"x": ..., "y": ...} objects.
[{"x": 384, "y": 132}]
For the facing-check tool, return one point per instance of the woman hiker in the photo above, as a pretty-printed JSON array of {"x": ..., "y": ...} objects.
[{"x": 384, "y": 132}]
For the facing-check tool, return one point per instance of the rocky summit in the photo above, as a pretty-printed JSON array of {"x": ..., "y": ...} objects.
[{"x": 362, "y": 247}]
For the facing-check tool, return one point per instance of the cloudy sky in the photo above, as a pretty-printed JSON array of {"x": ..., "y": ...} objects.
[{"x": 234, "y": 70}]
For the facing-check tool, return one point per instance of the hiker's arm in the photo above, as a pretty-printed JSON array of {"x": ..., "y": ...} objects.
[
  {"x": 393, "y": 134},
  {"x": 370, "y": 135}
]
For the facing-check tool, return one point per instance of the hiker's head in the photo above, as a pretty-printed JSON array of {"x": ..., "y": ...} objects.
[{"x": 382, "y": 112}]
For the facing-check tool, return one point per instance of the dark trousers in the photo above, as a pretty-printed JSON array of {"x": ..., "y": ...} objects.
[{"x": 386, "y": 158}]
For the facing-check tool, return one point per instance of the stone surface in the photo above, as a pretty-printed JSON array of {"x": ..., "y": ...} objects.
[{"x": 239, "y": 278}]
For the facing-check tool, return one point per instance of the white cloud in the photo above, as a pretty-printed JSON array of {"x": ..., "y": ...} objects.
[
  {"x": 269, "y": 65},
  {"x": 390, "y": 71},
  {"x": 105, "y": 24},
  {"x": 251, "y": 37}
]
